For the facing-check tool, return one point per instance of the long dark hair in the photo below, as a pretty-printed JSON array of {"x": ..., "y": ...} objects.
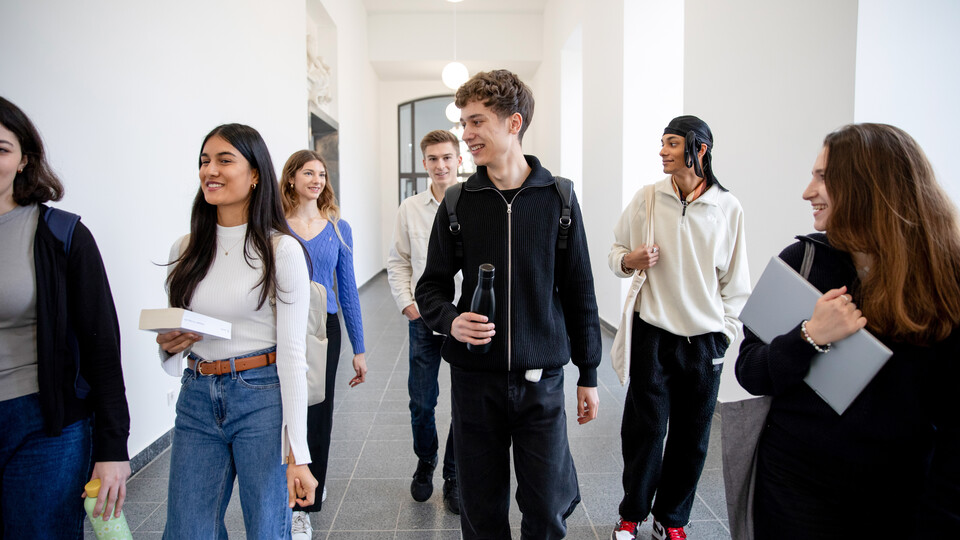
[
  {"x": 264, "y": 218},
  {"x": 36, "y": 183},
  {"x": 887, "y": 203}
]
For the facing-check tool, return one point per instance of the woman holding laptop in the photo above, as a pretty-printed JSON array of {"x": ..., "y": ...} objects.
[{"x": 887, "y": 258}]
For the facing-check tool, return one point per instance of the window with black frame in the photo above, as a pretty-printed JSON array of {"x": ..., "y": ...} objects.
[{"x": 414, "y": 120}]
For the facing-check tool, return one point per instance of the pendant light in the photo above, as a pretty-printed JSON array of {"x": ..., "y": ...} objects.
[{"x": 454, "y": 74}]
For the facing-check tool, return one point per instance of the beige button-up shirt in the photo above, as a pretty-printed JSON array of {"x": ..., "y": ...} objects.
[{"x": 408, "y": 254}]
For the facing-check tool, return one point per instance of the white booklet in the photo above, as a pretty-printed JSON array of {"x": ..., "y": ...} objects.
[
  {"x": 167, "y": 319},
  {"x": 783, "y": 298}
]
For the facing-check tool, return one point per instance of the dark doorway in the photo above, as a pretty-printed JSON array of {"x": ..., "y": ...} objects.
[{"x": 325, "y": 140}]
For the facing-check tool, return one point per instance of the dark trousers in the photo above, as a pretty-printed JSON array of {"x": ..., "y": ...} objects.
[
  {"x": 424, "y": 389},
  {"x": 800, "y": 495},
  {"x": 491, "y": 410},
  {"x": 671, "y": 378},
  {"x": 320, "y": 416}
]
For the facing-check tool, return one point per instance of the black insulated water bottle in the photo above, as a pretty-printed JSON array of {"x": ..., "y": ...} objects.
[{"x": 483, "y": 302}]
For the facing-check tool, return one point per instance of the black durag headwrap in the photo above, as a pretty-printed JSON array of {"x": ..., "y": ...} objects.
[{"x": 695, "y": 132}]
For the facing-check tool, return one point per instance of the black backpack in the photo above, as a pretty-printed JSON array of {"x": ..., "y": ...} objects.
[{"x": 564, "y": 188}]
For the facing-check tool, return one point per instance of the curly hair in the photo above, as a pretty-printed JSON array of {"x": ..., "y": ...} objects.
[
  {"x": 503, "y": 92},
  {"x": 36, "y": 183}
]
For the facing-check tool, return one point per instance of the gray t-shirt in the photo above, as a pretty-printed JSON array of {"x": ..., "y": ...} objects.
[{"x": 18, "y": 303}]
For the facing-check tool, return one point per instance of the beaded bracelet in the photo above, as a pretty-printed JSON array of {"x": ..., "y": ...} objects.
[{"x": 806, "y": 336}]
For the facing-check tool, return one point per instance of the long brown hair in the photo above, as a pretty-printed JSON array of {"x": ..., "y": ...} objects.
[
  {"x": 327, "y": 202},
  {"x": 888, "y": 204}
]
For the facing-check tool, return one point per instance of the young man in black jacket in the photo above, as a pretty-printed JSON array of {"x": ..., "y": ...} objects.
[{"x": 509, "y": 214}]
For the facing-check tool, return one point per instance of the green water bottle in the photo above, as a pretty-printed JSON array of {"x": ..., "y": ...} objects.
[{"x": 114, "y": 529}]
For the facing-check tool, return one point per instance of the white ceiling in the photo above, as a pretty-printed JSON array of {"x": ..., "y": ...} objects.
[{"x": 478, "y": 6}]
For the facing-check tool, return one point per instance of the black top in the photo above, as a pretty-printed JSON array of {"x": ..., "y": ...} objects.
[
  {"x": 78, "y": 342},
  {"x": 892, "y": 420},
  {"x": 548, "y": 294}
]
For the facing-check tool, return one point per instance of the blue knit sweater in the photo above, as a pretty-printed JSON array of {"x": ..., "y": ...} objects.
[{"x": 328, "y": 253}]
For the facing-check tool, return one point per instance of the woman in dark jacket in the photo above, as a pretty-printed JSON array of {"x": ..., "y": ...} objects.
[
  {"x": 890, "y": 262},
  {"x": 62, "y": 402}
]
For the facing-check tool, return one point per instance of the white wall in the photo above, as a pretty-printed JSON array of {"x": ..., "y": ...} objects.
[
  {"x": 603, "y": 128},
  {"x": 906, "y": 75},
  {"x": 571, "y": 110},
  {"x": 123, "y": 94},
  {"x": 771, "y": 79},
  {"x": 357, "y": 115}
]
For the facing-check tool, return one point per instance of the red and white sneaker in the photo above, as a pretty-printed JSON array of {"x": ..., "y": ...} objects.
[
  {"x": 625, "y": 530},
  {"x": 667, "y": 533}
]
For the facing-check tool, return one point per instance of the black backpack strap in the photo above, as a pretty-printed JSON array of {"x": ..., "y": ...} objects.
[
  {"x": 565, "y": 189},
  {"x": 61, "y": 224},
  {"x": 450, "y": 199},
  {"x": 807, "y": 264}
]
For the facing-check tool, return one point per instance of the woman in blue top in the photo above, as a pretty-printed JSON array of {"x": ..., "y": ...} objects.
[{"x": 312, "y": 213}]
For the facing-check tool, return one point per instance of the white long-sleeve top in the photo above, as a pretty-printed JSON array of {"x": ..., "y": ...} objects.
[
  {"x": 701, "y": 280},
  {"x": 228, "y": 292},
  {"x": 408, "y": 254}
]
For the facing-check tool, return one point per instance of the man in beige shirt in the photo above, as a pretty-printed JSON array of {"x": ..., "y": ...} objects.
[{"x": 408, "y": 256}]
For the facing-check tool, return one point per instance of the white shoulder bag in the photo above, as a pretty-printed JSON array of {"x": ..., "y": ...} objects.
[{"x": 620, "y": 351}]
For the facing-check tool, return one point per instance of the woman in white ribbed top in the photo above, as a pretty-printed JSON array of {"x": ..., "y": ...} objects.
[{"x": 243, "y": 401}]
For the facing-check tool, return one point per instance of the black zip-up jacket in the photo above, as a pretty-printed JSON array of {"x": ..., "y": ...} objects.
[
  {"x": 78, "y": 342},
  {"x": 546, "y": 308}
]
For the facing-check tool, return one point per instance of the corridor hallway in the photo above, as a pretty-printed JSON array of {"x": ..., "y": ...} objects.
[{"x": 372, "y": 460}]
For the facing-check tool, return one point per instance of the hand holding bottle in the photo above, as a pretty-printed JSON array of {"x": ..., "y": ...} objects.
[{"x": 472, "y": 329}]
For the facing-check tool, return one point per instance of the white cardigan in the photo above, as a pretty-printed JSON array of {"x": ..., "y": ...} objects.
[{"x": 701, "y": 280}]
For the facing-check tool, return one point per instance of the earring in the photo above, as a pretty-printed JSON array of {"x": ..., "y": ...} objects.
[
  {"x": 253, "y": 186},
  {"x": 19, "y": 171}
]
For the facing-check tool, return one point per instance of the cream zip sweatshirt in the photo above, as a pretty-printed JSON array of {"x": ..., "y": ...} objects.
[{"x": 701, "y": 280}]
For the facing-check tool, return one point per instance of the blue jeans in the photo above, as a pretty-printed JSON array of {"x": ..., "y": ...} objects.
[
  {"x": 42, "y": 477},
  {"x": 228, "y": 426},
  {"x": 424, "y": 389},
  {"x": 493, "y": 411}
]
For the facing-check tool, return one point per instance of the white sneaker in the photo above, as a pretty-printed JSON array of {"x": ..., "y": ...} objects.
[
  {"x": 323, "y": 496},
  {"x": 302, "y": 529}
]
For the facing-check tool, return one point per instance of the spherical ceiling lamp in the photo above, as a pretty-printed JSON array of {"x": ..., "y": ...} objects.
[
  {"x": 454, "y": 75},
  {"x": 453, "y": 113}
]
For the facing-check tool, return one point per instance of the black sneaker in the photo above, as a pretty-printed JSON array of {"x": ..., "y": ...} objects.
[
  {"x": 451, "y": 495},
  {"x": 422, "y": 486}
]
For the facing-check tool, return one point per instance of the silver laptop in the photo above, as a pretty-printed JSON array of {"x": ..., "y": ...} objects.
[{"x": 780, "y": 300}]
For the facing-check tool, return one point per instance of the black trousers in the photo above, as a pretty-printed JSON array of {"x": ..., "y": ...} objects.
[
  {"x": 320, "y": 416},
  {"x": 491, "y": 411},
  {"x": 672, "y": 378},
  {"x": 801, "y": 495}
]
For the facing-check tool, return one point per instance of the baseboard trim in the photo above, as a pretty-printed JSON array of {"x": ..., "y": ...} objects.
[
  {"x": 610, "y": 329},
  {"x": 369, "y": 282},
  {"x": 151, "y": 452}
]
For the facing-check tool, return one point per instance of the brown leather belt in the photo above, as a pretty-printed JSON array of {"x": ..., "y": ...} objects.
[{"x": 221, "y": 367}]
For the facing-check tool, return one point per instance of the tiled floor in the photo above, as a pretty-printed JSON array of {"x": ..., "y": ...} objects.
[{"x": 372, "y": 458}]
